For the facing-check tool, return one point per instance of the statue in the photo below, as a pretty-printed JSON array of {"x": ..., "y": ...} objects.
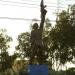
[{"x": 36, "y": 38}]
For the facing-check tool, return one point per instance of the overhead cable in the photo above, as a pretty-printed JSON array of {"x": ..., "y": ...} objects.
[
  {"x": 10, "y": 18},
  {"x": 26, "y": 3}
]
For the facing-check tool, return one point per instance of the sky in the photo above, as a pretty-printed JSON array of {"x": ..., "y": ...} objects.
[
  {"x": 16, "y": 15},
  {"x": 24, "y": 10}
]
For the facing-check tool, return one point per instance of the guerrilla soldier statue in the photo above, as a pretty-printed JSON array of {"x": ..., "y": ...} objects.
[{"x": 36, "y": 38}]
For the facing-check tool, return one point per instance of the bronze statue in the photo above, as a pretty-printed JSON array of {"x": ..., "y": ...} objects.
[{"x": 36, "y": 38}]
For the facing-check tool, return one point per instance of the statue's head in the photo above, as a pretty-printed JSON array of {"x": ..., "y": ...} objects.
[{"x": 35, "y": 26}]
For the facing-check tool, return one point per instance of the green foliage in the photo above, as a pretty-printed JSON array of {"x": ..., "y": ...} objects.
[
  {"x": 4, "y": 45},
  {"x": 70, "y": 71},
  {"x": 4, "y": 40},
  {"x": 62, "y": 36},
  {"x": 6, "y": 58},
  {"x": 24, "y": 45}
]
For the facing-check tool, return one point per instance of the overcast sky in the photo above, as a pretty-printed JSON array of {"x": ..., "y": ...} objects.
[{"x": 25, "y": 10}]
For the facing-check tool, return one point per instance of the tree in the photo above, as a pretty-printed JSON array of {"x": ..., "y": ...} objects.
[
  {"x": 62, "y": 36},
  {"x": 24, "y": 46},
  {"x": 4, "y": 45}
]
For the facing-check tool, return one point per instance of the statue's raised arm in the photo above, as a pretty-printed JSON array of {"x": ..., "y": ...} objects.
[{"x": 43, "y": 13}]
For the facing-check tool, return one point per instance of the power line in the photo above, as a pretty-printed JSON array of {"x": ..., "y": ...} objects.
[
  {"x": 16, "y": 18},
  {"x": 45, "y": 2},
  {"x": 39, "y": 1},
  {"x": 26, "y": 6},
  {"x": 24, "y": 3},
  {"x": 27, "y": 3},
  {"x": 18, "y": 2},
  {"x": 20, "y": 5},
  {"x": 23, "y": 19},
  {"x": 48, "y": 3}
]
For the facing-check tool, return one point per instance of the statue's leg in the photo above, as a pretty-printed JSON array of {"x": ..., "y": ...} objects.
[
  {"x": 34, "y": 52},
  {"x": 40, "y": 55}
]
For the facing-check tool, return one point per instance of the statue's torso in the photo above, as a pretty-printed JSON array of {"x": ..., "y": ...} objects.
[{"x": 37, "y": 37}]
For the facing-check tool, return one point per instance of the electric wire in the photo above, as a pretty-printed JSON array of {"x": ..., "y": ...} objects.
[
  {"x": 23, "y": 19},
  {"x": 38, "y": 1},
  {"x": 18, "y": 2},
  {"x": 20, "y": 5},
  {"x": 26, "y": 6},
  {"x": 27, "y": 3},
  {"x": 10, "y": 18}
]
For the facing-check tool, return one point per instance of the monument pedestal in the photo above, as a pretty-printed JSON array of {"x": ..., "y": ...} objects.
[{"x": 38, "y": 70}]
